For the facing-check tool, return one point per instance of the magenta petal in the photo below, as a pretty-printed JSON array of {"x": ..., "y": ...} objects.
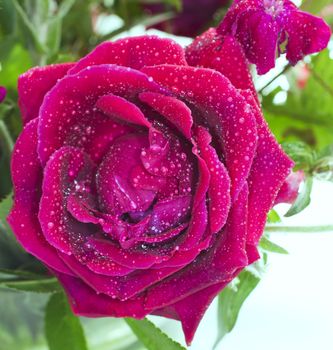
[
  {"x": 105, "y": 266},
  {"x": 119, "y": 108},
  {"x": 270, "y": 168},
  {"x": 199, "y": 218},
  {"x": 172, "y": 109},
  {"x": 140, "y": 178},
  {"x": 197, "y": 226},
  {"x": 190, "y": 316},
  {"x": 134, "y": 52},
  {"x": 258, "y": 33},
  {"x": 67, "y": 168},
  {"x": 226, "y": 111},
  {"x": 129, "y": 258},
  {"x": 68, "y": 114},
  {"x": 33, "y": 86},
  {"x": 86, "y": 302},
  {"x": 23, "y": 217},
  {"x": 224, "y": 54},
  {"x": 106, "y": 284},
  {"x": 170, "y": 212},
  {"x": 217, "y": 265},
  {"x": 116, "y": 194},
  {"x": 306, "y": 34},
  {"x": 120, "y": 287},
  {"x": 3, "y": 93},
  {"x": 219, "y": 186}
]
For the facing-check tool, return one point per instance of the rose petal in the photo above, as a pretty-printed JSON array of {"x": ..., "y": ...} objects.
[
  {"x": 226, "y": 111},
  {"x": 118, "y": 107},
  {"x": 175, "y": 111},
  {"x": 134, "y": 52},
  {"x": 68, "y": 114},
  {"x": 289, "y": 190},
  {"x": 270, "y": 168},
  {"x": 190, "y": 316},
  {"x": 307, "y": 34},
  {"x": 23, "y": 217},
  {"x": 217, "y": 265},
  {"x": 86, "y": 302},
  {"x": 219, "y": 186},
  {"x": 33, "y": 86},
  {"x": 224, "y": 54},
  {"x": 67, "y": 168},
  {"x": 117, "y": 196},
  {"x": 258, "y": 34},
  {"x": 122, "y": 288}
]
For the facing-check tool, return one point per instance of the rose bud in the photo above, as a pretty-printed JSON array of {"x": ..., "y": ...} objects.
[
  {"x": 267, "y": 27},
  {"x": 289, "y": 190},
  {"x": 149, "y": 180}
]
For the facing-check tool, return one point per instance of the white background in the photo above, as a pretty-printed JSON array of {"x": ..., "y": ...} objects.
[{"x": 292, "y": 307}]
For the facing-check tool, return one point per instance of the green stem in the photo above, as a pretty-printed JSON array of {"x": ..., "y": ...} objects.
[
  {"x": 5, "y": 138},
  {"x": 284, "y": 70},
  {"x": 299, "y": 229}
]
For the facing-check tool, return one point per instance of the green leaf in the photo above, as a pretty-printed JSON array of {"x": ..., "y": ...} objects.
[
  {"x": 23, "y": 274},
  {"x": 49, "y": 285},
  {"x": 151, "y": 336},
  {"x": 323, "y": 167},
  {"x": 268, "y": 246},
  {"x": 6, "y": 146},
  {"x": 273, "y": 217},
  {"x": 177, "y": 4},
  {"x": 303, "y": 199},
  {"x": 301, "y": 153},
  {"x": 315, "y": 6},
  {"x": 5, "y": 206},
  {"x": 230, "y": 301},
  {"x": 307, "y": 114},
  {"x": 7, "y": 17},
  {"x": 28, "y": 30},
  {"x": 54, "y": 27},
  {"x": 63, "y": 329}
]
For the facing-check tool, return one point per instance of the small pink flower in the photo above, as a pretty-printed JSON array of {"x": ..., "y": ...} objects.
[
  {"x": 3, "y": 93},
  {"x": 267, "y": 28}
]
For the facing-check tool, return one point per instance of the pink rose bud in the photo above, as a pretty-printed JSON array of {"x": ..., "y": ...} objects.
[{"x": 289, "y": 190}]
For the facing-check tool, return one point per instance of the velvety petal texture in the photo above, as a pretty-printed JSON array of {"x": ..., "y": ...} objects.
[
  {"x": 265, "y": 27},
  {"x": 149, "y": 179},
  {"x": 3, "y": 93}
]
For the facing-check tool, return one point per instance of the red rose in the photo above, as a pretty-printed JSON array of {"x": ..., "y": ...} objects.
[{"x": 142, "y": 182}]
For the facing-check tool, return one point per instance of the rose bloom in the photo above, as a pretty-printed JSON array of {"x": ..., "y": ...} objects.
[
  {"x": 194, "y": 17},
  {"x": 141, "y": 182}
]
